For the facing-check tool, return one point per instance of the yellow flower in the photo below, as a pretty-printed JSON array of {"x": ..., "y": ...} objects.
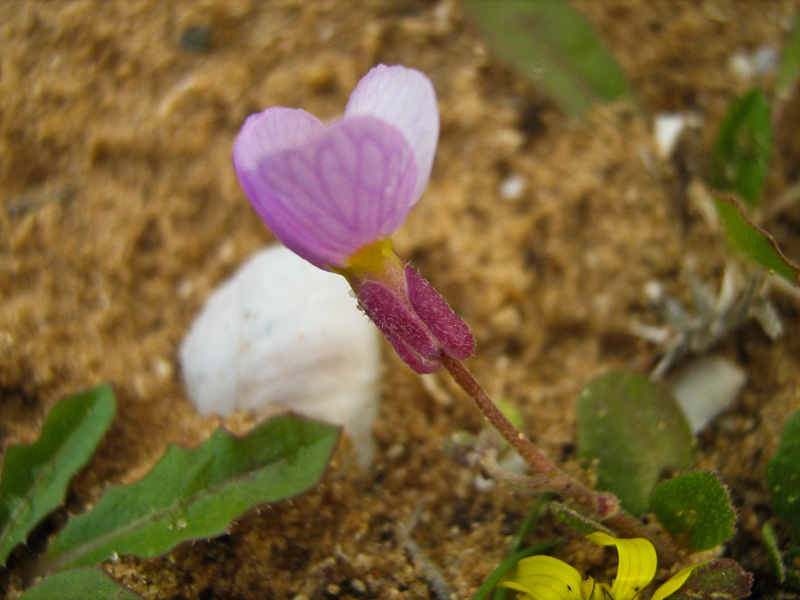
[{"x": 547, "y": 578}]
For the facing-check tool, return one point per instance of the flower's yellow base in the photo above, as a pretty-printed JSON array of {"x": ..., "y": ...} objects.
[{"x": 377, "y": 262}]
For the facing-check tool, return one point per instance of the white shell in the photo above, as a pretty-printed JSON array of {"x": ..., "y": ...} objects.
[
  {"x": 281, "y": 334},
  {"x": 706, "y": 387}
]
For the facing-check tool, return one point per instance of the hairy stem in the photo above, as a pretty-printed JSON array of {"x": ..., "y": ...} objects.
[{"x": 549, "y": 477}]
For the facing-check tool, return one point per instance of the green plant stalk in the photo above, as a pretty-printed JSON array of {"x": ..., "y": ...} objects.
[
  {"x": 529, "y": 522},
  {"x": 548, "y": 477}
]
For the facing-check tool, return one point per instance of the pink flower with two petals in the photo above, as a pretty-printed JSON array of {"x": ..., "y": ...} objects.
[{"x": 335, "y": 194}]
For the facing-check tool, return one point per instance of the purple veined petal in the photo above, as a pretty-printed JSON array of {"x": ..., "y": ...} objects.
[
  {"x": 262, "y": 135},
  {"x": 271, "y": 130},
  {"x": 342, "y": 189},
  {"x": 406, "y": 99}
]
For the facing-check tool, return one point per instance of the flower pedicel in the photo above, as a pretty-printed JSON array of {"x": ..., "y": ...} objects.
[{"x": 335, "y": 195}]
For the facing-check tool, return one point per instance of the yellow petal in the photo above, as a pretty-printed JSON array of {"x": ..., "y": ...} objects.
[
  {"x": 674, "y": 583},
  {"x": 544, "y": 578},
  {"x": 637, "y": 564},
  {"x": 593, "y": 590}
]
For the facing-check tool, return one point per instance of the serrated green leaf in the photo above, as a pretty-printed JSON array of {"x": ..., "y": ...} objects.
[
  {"x": 196, "y": 493},
  {"x": 572, "y": 518},
  {"x": 773, "y": 552},
  {"x": 84, "y": 583},
  {"x": 695, "y": 505},
  {"x": 783, "y": 475},
  {"x": 632, "y": 429},
  {"x": 554, "y": 45},
  {"x": 745, "y": 236},
  {"x": 722, "y": 579},
  {"x": 789, "y": 68},
  {"x": 35, "y": 478},
  {"x": 740, "y": 157}
]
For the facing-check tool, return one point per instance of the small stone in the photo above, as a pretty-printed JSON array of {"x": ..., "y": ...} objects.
[
  {"x": 512, "y": 188},
  {"x": 707, "y": 387},
  {"x": 667, "y": 129},
  {"x": 358, "y": 586}
]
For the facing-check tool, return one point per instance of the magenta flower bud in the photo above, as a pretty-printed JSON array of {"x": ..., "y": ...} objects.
[
  {"x": 417, "y": 322},
  {"x": 336, "y": 194},
  {"x": 445, "y": 325}
]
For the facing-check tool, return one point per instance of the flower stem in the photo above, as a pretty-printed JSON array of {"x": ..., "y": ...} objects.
[{"x": 548, "y": 477}]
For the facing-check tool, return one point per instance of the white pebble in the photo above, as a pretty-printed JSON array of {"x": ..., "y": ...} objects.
[
  {"x": 748, "y": 65},
  {"x": 667, "y": 128},
  {"x": 706, "y": 387},
  {"x": 512, "y": 188},
  {"x": 281, "y": 335}
]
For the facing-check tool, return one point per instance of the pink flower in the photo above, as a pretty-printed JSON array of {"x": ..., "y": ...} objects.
[
  {"x": 335, "y": 195},
  {"x": 327, "y": 192}
]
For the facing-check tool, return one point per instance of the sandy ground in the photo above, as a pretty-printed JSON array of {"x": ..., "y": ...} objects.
[{"x": 121, "y": 213}]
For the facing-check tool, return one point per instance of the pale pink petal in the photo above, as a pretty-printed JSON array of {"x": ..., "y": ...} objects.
[
  {"x": 263, "y": 134},
  {"x": 343, "y": 188},
  {"x": 271, "y": 130},
  {"x": 406, "y": 99}
]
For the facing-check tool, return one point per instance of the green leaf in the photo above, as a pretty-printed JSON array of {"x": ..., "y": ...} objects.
[
  {"x": 633, "y": 430},
  {"x": 695, "y": 505},
  {"x": 196, "y": 493},
  {"x": 572, "y": 518},
  {"x": 773, "y": 552},
  {"x": 554, "y": 45},
  {"x": 530, "y": 521},
  {"x": 740, "y": 157},
  {"x": 722, "y": 579},
  {"x": 85, "y": 583},
  {"x": 745, "y": 236},
  {"x": 783, "y": 475},
  {"x": 789, "y": 69},
  {"x": 35, "y": 478},
  {"x": 792, "y": 573}
]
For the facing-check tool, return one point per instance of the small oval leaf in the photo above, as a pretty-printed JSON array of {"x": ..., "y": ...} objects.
[
  {"x": 633, "y": 430},
  {"x": 783, "y": 475},
  {"x": 721, "y": 579},
  {"x": 695, "y": 505}
]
